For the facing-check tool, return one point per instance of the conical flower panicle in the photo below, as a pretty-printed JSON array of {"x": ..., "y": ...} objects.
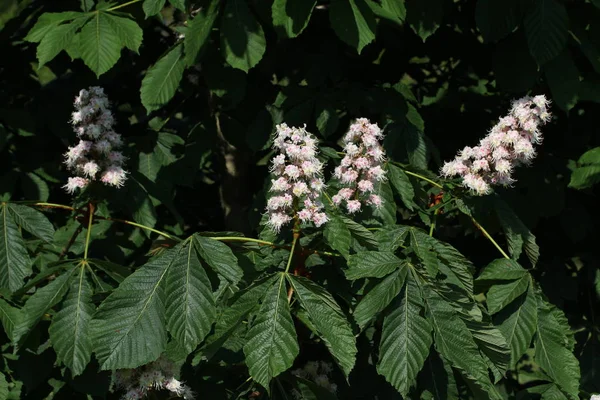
[
  {"x": 509, "y": 144},
  {"x": 96, "y": 157},
  {"x": 361, "y": 168},
  {"x": 297, "y": 179}
]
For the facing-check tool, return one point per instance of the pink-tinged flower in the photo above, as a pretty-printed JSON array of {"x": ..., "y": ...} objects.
[
  {"x": 114, "y": 176},
  {"x": 300, "y": 189},
  {"x": 280, "y": 184},
  {"x": 362, "y": 163},
  {"x": 75, "y": 183},
  {"x": 346, "y": 193},
  {"x": 481, "y": 165},
  {"x": 353, "y": 206},
  {"x": 377, "y": 173},
  {"x": 349, "y": 176},
  {"x": 277, "y": 220},
  {"x": 293, "y": 171},
  {"x": 90, "y": 169},
  {"x": 503, "y": 167},
  {"x": 337, "y": 199},
  {"x": 319, "y": 219},
  {"x": 375, "y": 200},
  {"x": 365, "y": 186}
]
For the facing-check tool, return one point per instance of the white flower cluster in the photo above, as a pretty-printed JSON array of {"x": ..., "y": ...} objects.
[
  {"x": 96, "y": 156},
  {"x": 508, "y": 145},
  {"x": 317, "y": 372},
  {"x": 360, "y": 169},
  {"x": 158, "y": 375},
  {"x": 298, "y": 181}
]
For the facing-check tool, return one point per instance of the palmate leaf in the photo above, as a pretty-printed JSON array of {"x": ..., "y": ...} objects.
[
  {"x": 379, "y": 297},
  {"x": 328, "y": 319},
  {"x": 58, "y": 39},
  {"x": 162, "y": 79},
  {"x": 47, "y": 22},
  {"x": 517, "y": 322},
  {"x": 99, "y": 44},
  {"x": 15, "y": 264},
  {"x": 128, "y": 329},
  {"x": 372, "y": 264},
  {"x": 502, "y": 294},
  {"x": 41, "y": 301},
  {"x": 32, "y": 221},
  {"x": 128, "y": 31},
  {"x": 455, "y": 342},
  {"x": 337, "y": 235},
  {"x": 220, "y": 257},
  {"x": 243, "y": 41},
  {"x": 69, "y": 331},
  {"x": 405, "y": 340},
  {"x": 291, "y": 17},
  {"x": 273, "y": 345},
  {"x": 199, "y": 30},
  {"x": 353, "y": 22},
  {"x": 554, "y": 349},
  {"x": 190, "y": 302}
]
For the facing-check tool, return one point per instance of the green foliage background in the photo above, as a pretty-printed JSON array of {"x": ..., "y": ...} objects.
[{"x": 197, "y": 88}]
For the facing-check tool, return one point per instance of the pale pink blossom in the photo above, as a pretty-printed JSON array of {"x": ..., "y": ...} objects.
[{"x": 353, "y": 206}]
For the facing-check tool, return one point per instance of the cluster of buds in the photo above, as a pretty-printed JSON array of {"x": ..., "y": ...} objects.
[
  {"x": 96, "y": 157},
  {"x": 297, "y": 179},
  {"x": 156, "y": 376},
  {"x": 317, "y": 372},
  {"x": 508, "y": 145},
  {"x": 361, "y": 168}
]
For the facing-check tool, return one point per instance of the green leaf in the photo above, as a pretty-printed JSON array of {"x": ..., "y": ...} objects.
[
  {"x": 15, "y": 264},
  {"x": 10, "y": 317},
  {"x": 437, "y": 379},
  {"x": 220, "y": 257},
  {"x": 190, "y": 302},
  {"x": 32, "y": 221},
  {"x": 69, "y": 331},
  {"x": 496, "y": 19},
  {"x": 492, "y": 344},
  {"x": 42, "y": 300},
  {"x": 424, "y": 17},
  {"x": 387, "y": 212},
  {"x": 162, "y": 79},
  {"x": 379, "y": 297},
  {"x": 553, "y": 350},
  {"x": 178, "y": 4},
  {"x": 517, "y": 234},
  {"x": 353, "y": 22},
  {"x": 546, "y": 26},
  {"x": 243, "y": 41},
  {"x": 291, "y": 17},
  {"x": 328, "y": 319},
  {"x": 99, "y": 44},
  {"x": 337, "y": 235},
  {"x": 47, "y": 22},
  {"x": 391, "y": 237},
  {"x": 517, "y": 322},
  {"x": 360, "y": 234},
  {"x": 372, "y": 264},
  {"x": 405, "y": 340},
  {"x": 562, "y": 76},
  {"x": 117, "y": 272},
  {"x": 327, "y": 120},
  {"x": 501, "y": 270},
  {"x": 587, "y": 172},
  {"x": 455, "y": 342},
  {"x": 128, "y": 330},
  {"x": 58, "y": 39},
  {"x": 392, "y": 10},
  {"x": 153, "y": 7},
  {"x": 512, "y": 75},
  {"x": 128, "y": 31},
  {"x": 424, "y": 251},
  {"x": 402, "y": 185},
  {"x": 199, "y": 30},
  {"x": 273, "y": 346},
  {"x": 502, "y": 294}
]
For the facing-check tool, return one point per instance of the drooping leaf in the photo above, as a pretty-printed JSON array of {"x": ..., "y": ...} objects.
[
  {"x": 328, "y": 319},
  {"x": 242, "y": 38},
  {"x": 455, "y": 342},
  {"x": 153, "y": 7},
  {"x": 69, "y": 331},
  {"x": 220, "y": 257},
  {"x": 42, "y": 300},
  {"x": 99, "y": 44},
  {"x": 32, "y": 221},
  {"x": 199, "y": 30},
  {"x": 517, "y": 234},
  {"x": 518, "y": 322},
  {"x": 291, "y": 17},
  {"x": 190, "y": 304},
  {"x": 402, "y": 185},
  {"x": 353, "y": 22},
  {"x": 272, "y": 346},
  {"x": 405, "y": 340},
  {"x": 379, "y": 297},
  {"x": 162, "y": 79},
  {"x": 372, "y": 264},
  {"x": 15, "y": 264},
  {"x": 437, "y": 379},
  {"x": 546, "y": 26},
  {"x": 128, "y": 329},
  {"x": 502, "y": 294},
  {"x": 553, "y": 349},
  {"x": 337, "y": 235},
  {"x": 492, "y": 344},
  {"x": 10, "y": 317}
]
